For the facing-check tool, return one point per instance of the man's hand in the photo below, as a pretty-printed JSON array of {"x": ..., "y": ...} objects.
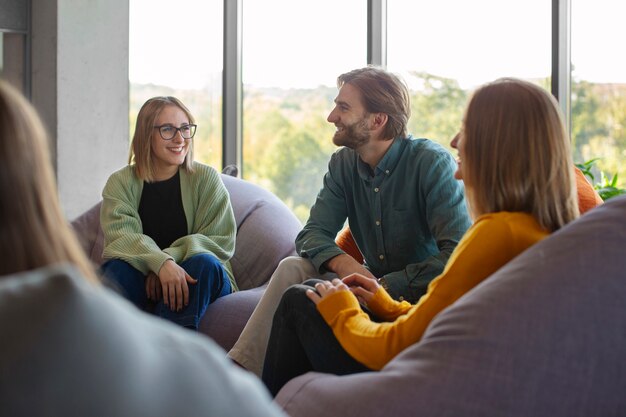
[
  {"x": 362, "y": 287},
  {"x": 326, "y": 288},
  {"x": 174, "y": 280},
  {"x": 344, "y": 265}
]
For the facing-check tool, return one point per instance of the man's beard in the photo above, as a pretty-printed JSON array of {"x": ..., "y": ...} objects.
[{"x": 353, "y": 136}]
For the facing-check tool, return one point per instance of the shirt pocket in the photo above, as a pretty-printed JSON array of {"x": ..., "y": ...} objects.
[{"x": 403, "y": 231}]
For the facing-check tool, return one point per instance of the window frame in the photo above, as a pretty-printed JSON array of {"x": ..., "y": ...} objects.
[{"x": 376, "y": 55}]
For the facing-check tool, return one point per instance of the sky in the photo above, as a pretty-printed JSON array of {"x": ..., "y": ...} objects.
[
  {"x": 598, "y": 38},
  {"x": 174, "y": 42},
  {"x": 310, "y": 42}
]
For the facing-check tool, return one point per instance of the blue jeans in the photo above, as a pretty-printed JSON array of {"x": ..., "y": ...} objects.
[
  {"x": 301, "y": 341},
  {"x": 212, "y": 283}
]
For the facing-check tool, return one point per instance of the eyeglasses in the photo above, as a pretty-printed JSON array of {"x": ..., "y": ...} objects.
[{"x": 168, "y": 132}]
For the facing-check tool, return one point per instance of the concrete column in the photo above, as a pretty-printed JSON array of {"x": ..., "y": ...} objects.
[{"x": 80, "y": 86}]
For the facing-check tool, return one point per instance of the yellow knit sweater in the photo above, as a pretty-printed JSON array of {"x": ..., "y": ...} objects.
[{"x": 492, "y": 241}]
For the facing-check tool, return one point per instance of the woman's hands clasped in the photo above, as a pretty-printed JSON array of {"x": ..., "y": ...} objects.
[
  {"x": 173, "y": 283},
  {"x": 361, "y": 286},
  {"x": 326, "y": 288}
]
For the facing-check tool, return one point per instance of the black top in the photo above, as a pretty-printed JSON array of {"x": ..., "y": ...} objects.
[{"x": 161, "y": 211}]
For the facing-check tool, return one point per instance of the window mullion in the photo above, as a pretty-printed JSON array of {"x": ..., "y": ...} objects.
[
  {"x": 561, "y": 56},
  {"x": 377, "y": 33},
  {"x": 232, "y": 85}
]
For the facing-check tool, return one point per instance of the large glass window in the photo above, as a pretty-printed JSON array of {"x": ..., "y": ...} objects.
[
  {"x": 293, "y": 52},
  {"x": 599, "y": 86},
  {"x": 444, "y": 49},
  {"x": 175, "y": 49}
]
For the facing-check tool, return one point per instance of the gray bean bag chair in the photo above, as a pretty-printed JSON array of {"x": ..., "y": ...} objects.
[
  {"x": 266, "y": 233},
  {"x": 544, "y": 336}
]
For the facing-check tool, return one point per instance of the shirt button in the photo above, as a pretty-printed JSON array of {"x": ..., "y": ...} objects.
[
  {"x": 387, "y": 172},
  {"x": 381, "y": 257},
  {"x": 377, "y": 222},
  {"x": 376, "y": 189},
  {"x": 401, "y": 298}
]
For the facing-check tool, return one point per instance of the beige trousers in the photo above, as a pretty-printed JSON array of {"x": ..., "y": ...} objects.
[{"x": 251, "y": 346}]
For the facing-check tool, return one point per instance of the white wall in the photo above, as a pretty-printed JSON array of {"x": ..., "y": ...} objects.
[{"x": 80, "y": 87}]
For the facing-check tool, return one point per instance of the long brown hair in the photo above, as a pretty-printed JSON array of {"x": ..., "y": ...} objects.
[
  {"x": 382, "y": 92},
  {"x": 33, "y": 230},
  {"x": 141, "y": 145},
  {"x": 517, "y": 154}
]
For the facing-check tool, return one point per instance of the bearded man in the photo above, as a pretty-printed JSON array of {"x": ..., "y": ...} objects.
[{"x": 404, "y": 207}]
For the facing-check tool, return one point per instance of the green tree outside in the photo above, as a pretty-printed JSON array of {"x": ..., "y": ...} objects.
[{"x": 287, "y": 140}]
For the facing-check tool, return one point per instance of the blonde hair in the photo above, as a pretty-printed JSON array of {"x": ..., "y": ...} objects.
[
  {"x": 141, "y": 145},
  {"x": 33, "y": 230},
  {"x": 382, "y": 92},
  {"x": 517, "y": 154}
]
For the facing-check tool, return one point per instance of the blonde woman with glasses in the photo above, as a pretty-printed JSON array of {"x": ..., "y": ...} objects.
[
  {"x": 69, "y": 345},
  {"x": 516, "y": 166},
  {"x": 168, "y": 224}
]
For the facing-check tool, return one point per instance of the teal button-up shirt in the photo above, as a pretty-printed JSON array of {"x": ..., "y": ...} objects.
[{"x": 406, "y": 217}]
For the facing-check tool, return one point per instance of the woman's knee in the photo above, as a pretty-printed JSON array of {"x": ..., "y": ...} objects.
[
  {"x": 295, "y": 296},
  {"x": 117, "y": 266},
  {"x": 120, "y": 272},
  {"x": 311, "y": 282},
  {"x": 204, "y": 266},
  {"x": 123, "y": 278},
  {"x": 294, "y": 307},
  {"x": 209, "y": 272}
]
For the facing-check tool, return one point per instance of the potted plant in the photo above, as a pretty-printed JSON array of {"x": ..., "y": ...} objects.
[{"x": 606, "y": 187}]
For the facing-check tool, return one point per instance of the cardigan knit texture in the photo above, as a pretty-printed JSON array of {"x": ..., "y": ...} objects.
[{"x": 210, "y": 221}]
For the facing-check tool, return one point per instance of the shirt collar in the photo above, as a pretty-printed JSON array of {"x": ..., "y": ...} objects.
[{"x": 388, "y": 161}]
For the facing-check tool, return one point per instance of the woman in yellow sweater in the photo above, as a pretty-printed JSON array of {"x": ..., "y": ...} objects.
[{"x": 516, "y": 165}]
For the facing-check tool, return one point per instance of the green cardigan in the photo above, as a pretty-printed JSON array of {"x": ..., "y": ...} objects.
[{"x": 210, "y": 221}]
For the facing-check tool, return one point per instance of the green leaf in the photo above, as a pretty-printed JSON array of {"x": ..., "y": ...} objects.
[{"x": 586, "y": 168}]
